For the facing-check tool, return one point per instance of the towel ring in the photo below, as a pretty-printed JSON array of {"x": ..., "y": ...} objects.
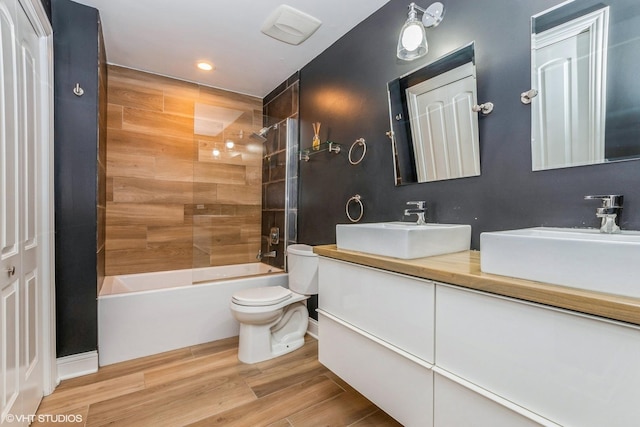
[
  {"x": 359, "y": 141},
  {"x": 357, "y": 199}
]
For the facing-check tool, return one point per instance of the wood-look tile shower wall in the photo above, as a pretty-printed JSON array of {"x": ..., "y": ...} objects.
[{"x": 171, "y": 203}]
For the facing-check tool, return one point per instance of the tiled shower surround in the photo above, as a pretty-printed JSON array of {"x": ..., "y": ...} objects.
[{"x": 172, "y": 202}]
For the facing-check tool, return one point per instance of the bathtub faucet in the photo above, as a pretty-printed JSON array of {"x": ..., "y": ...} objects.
[{"x": 260, "y": 255}]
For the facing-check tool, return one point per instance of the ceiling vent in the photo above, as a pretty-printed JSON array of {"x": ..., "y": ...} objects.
[{"x": 290, "y": 25}]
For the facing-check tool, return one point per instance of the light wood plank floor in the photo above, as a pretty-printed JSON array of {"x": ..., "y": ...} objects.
[{"x": 206, "y": 385}]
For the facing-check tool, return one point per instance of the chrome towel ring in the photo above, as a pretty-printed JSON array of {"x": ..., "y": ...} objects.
[
  {"x": 357, "y": 199},
  {"x": 360, "y": 142}
]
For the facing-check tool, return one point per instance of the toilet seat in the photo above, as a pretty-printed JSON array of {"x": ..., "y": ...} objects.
[{"x": 259, "y": 297}]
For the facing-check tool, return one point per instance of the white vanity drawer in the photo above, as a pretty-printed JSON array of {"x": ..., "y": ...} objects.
[
  {"x": 459, "y": 405},
  {"x": 573, "y": 369},
  {"x": 400, "y": 384},
  {"x": 395, "y": 308}
]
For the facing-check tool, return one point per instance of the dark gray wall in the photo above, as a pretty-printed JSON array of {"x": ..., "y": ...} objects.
[
  {"x": 345, "y": 89},
  {"x": 76, "y": 133}
]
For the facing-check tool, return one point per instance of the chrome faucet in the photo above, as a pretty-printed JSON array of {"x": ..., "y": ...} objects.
[
  {"x": 260, "y": 255},
  {"x": 420, "y": 210},
  {"x": 609, "y": 212}
]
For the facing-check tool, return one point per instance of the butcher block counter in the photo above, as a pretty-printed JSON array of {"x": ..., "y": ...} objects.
[{"x": 463, "y": 269}]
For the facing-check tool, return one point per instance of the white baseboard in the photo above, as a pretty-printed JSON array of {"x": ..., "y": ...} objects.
[
  {"x": 77, "y": 365},
  {"x": 312, "y": 329}
]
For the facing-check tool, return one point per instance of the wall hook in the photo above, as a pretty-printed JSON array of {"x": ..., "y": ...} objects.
[
  {"x": 78, "y": 91},
  {"x": 485, "y": 108},
  {"x": 527, "y": 96}
]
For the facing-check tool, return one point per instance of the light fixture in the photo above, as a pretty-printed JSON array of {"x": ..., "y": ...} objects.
[
  {"x": 205, "y": 66},
  {"x": 412, "y": 43},
  {"x": 229, "y": 144}
]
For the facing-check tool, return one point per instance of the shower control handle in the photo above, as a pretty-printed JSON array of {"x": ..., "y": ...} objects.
[{"x": 274, "y": 236}]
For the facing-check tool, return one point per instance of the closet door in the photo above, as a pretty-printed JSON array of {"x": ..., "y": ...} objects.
[
  {"x": 21, "y": 292},
  {"x": 30, "y": 140},
  {"x": 10, "y": 256}
]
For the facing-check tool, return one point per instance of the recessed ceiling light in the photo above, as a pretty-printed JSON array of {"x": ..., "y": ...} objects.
[{"x": 205, "y": 66}]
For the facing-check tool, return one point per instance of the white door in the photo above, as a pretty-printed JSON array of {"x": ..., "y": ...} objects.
[
  {"x": 21, "y": 292},
  {"x": 563, "y": 133},
  {"x": 569, "y": 64},
  {"x": 444, "y": 125}
]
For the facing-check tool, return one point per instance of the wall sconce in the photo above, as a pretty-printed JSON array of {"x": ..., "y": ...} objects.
[{"x": 412, "y": 43}]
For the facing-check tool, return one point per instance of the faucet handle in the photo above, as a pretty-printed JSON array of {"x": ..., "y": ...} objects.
[
  {"x": 419, "y": 204},
  {"x": 608, "y": 201}
]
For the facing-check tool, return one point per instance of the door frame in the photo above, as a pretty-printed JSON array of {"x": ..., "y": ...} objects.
[{"x": 37, "y": 15}]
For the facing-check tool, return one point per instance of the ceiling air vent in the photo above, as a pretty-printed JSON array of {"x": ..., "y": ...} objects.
[{"x": 290, "y": 25}]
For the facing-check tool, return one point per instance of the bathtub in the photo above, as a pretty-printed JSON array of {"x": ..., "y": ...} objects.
[{"x": 149, "y": 313}]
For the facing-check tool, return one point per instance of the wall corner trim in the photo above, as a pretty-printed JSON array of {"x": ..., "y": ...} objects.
[{"x": 77, "y": 365}]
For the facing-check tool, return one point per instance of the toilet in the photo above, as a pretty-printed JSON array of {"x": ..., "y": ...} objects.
[{"x": 273, "y": 319}]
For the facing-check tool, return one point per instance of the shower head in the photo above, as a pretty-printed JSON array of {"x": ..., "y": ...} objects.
[{"x": 260, "y": 136}]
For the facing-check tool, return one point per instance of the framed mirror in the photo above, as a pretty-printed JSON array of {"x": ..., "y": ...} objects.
[
  {"x": 583, "y": 59},
  {"x": 434, "y": 127}
]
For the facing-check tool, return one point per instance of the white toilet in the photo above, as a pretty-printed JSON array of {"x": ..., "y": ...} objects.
[{"x": 273, "y": 320}]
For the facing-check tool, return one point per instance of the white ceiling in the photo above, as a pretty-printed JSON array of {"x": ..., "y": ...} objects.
[{"x": 168, "y": 37}]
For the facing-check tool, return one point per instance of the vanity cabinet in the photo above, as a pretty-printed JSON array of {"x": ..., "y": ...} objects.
[
  {"x": 434, "y": 354},
  {"x": 401, "y": 315},
  {"x": 458, "y": 403},
  {"x": 570, "y": 368},
  {"x": 376, "y": 332},
  {"x": 386, "y": 375}
]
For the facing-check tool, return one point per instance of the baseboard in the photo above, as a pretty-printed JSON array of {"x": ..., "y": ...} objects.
[
  {"x": 77, "y": 365},
  {"x": 312, "y": 329}
]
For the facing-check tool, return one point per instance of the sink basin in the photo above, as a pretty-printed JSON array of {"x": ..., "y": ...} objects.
[
  {"x": 579, "y": 258},
  {"x": 403, "y": 239}
]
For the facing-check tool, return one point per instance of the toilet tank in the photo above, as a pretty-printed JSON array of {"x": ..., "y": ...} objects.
[{"x": 302, "y": 265}]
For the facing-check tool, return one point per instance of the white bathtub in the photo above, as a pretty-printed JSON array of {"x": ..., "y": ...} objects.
[{"x": 144, "y": 314}]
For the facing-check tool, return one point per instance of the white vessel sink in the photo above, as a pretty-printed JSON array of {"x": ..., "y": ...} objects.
[
  {"x": 403, "y": 239},
  {"x": 579, "y": 258}
]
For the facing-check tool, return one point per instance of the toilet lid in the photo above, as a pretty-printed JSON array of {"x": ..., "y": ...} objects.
[{"x": 261, "y": 296}]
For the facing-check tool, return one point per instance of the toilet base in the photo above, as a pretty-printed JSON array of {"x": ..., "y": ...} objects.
[{"x": 284, "y": 335}]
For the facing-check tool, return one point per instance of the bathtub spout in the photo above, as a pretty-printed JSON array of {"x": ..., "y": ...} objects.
[{"x": 260, "y": 255}]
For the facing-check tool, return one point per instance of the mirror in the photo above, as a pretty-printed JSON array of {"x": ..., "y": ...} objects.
[
  {"x": 434, "y": 126},
  {"x": 583, "y": 59}
]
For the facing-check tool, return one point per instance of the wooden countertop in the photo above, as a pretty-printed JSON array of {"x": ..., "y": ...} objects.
[{"x": 463, "y": 269}]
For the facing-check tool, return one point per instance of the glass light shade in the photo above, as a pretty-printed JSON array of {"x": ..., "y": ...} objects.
[{"x": 412, "y": 43}]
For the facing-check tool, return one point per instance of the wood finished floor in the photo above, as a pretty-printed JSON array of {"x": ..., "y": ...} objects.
[{"x": 206, "y": 385}]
